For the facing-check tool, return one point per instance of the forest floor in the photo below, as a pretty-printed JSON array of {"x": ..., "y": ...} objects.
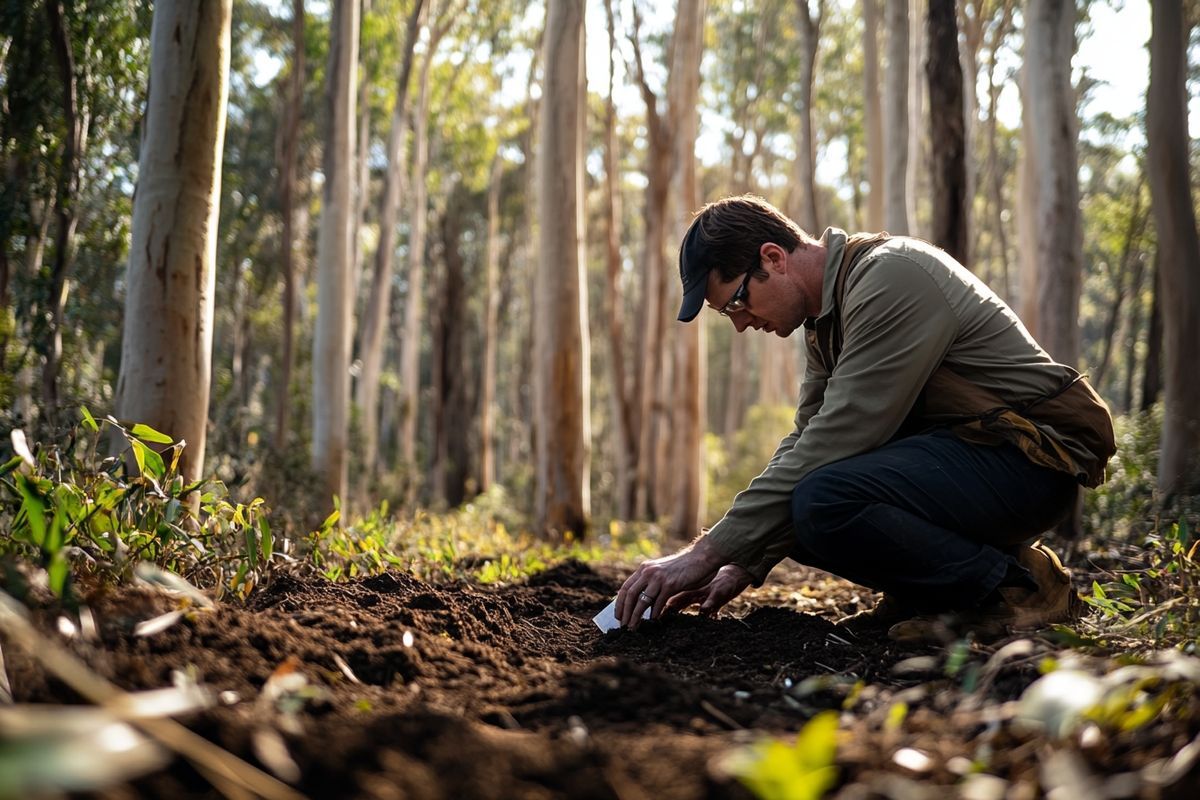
[{"x": 398, "y": 688}]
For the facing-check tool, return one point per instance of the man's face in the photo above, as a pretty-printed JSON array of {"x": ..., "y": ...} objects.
[{"x": 772, "y": 303}]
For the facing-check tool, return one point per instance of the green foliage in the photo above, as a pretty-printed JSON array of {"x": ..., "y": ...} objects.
[
  {"x": 1157, "y": 602},
  {"x": 68, "y": 507},
  {"x": 731, "y": 465},
  {"x": 774, "y": 770},
  {"x": 1124, "y": 505},
  {"x": 471, "y": 542}
]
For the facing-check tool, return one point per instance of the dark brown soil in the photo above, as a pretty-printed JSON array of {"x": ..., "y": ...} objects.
[{"x": 475, "y": 692}]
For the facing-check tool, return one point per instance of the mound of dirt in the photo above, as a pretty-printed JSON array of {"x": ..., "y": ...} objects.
[{"x": 463, "y": 691}]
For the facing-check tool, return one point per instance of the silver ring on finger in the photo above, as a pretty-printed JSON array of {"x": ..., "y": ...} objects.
[{"x": 645, "y": 598}]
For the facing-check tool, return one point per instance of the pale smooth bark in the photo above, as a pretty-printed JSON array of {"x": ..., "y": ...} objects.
[
  {"x": 689, "y": 407},
  {"x": 410, "y": 342},
  {"x": 917, "y": 106},
  {"x": 995, "y": 187},
  {"x": 1026, "y": 212},
  {"x": 873, "y": 114},
  {"x": 335, "y": 297},
  {"x": 561, "y": 355},
  {"x": 621, "y": 399},
  {"x": 1179, "y": 249},
  {"x": 948, "y": 226},
  {"x": 166, "y": 349},
  {"x": 805, "y": 175},
  {"x": 491, "y": 330},
  {"x": 379, "y": 300},
  {"x": 895, "y": 119},
  {"x": 1049, "y": 41},
  {"x": 972, "y": 17},
  {"x": 290, "y": 250}
]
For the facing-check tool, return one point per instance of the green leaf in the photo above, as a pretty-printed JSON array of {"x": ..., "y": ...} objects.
[
  {"x": 35, "y": 510},
  {"x": 268, "y": 542},
  {"x": 88, "y": 419},
  {"x": 1098, "y": 591},
  {"x": 139, "y": 455},
  {"x": 153, "y": 463},
  {"x": 330, "y": 521},
  {"x": 251, "y": 547},
  {"x": 148, "y": 434},
  {"x": 10, "y": 465},
  {"x": 57, "y": 573},
  {"x": 1185, "y": 534}
]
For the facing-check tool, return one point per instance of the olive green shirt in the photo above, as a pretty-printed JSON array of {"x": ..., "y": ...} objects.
[{"x": 908, "y": 308}]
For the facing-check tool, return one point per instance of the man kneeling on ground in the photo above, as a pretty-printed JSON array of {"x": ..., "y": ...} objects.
[{"x": 934, "y": 439}]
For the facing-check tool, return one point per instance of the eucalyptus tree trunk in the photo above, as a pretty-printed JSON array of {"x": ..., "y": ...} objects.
[
  {"x": 166, "y": 349},
  {"x": 491, "y": 331},
  {"x": 561, "y": 357},
  {"x": 288, "y": 245},
  {"x": 77, "y": 120},
  {"x": 1049, "y": 41},
  {"x": 995, "y": 187},
  {"x": 621, "y": 401},
  {"x": 379, "y": 300},
  {"x": 948, "y": 228},
  {"x": 895, "y": 119},
  {"x": 1026, "y": 210},
  {"x": 1179, "y": 247},
  {"x": 972, "y": 16},
  {"x": 653, "y": 361},
  {"x": 687, "y": 458},
  {"x": 809, "y": 25},
  {"x": 410, "y": 347},
  {"x": 1152, "y": 371},
  {"x": 917, "y": 104},
  {"x": 335, "y": 297},
  {"x": 873, "y": 112}
]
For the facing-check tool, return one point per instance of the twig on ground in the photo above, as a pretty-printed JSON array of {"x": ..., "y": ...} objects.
[
  {"x": 720, "y": 716},
  {"x": 229, "y": 774}
]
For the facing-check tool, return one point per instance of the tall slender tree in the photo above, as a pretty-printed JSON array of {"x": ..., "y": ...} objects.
[
  {"x": 335, "y": 296},
  {"x": 379, "y": 300},
  {"x": 809, "y": 24},
  {"x": 166, "y": 350},
  {"x": 560, "y": 288},
  {"x": 948, "y": 160},
  {"x": 895, "y": 119},
  {"x": 288, "y": 246},
  {"x": 873, "y": 115},
  {"x": 1179, "y": 248},
  {"x": 690, "y": 408}
]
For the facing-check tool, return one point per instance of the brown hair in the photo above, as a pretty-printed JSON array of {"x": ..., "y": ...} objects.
[{"x": 731, "y": 231}]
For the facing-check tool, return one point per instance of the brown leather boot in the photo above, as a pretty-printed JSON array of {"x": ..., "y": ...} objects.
[{"x": 1016, "y": 608}]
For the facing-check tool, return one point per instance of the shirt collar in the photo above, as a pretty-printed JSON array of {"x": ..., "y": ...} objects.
[{"x": 834, "y": 240}]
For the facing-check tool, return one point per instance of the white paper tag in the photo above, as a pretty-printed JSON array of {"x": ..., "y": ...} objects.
[{"x": 607, "y": 621}]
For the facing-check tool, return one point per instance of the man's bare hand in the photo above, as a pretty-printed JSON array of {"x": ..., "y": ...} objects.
[
  {"x": 730, "y": 581},
  {"x": 656, "y": 581}
]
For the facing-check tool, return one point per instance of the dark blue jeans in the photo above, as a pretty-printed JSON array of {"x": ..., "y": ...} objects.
[{"x": 929, "y": 519}]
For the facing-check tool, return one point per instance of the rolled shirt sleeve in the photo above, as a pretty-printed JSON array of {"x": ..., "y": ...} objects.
[{"x": 897, "y": 327}]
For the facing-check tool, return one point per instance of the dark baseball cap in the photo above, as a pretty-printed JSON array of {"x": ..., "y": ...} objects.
[{"x": 693, "y": 273}]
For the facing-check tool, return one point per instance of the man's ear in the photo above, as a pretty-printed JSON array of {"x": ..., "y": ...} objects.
[{"x": 774, "y": 257}]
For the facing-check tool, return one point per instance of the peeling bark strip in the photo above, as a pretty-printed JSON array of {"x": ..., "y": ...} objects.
[
  {"x": 560, "y": 289},
  {"x": 165, "y": 376}
]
